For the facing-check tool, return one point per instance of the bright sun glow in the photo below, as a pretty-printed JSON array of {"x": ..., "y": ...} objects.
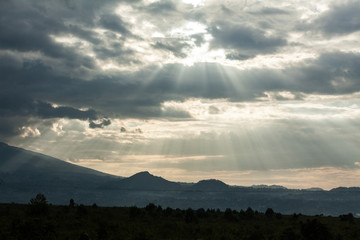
[{"x": 188, "y": 29}]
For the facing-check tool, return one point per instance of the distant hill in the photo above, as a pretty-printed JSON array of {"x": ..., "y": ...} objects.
[
  {"x": 346, "y": 189},
  {"x": 143, "y": 181},
  {"x": 210, "y": 185},
  {"x": 314, "y": 189},
  {"x": 262, "y": 186}
]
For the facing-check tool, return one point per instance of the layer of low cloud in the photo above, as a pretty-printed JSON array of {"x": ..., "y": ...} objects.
[
  {"x": 135, "y": 95},
  {"x": 331, "y": 73}
]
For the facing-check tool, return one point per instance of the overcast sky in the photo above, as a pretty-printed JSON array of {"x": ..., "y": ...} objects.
[{"x": 248, "y": 92}]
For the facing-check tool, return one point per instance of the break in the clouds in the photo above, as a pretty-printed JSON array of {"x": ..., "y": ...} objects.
[{"x": 184, "y": 87}]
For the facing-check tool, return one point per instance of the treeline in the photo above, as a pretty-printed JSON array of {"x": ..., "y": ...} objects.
[{"x": 41, "y": 220}]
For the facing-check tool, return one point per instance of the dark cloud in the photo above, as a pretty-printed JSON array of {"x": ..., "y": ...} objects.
[
  {"x": 46, "y": 110},
  {"x": 85, "y": 11},
  {"x": 115, "y": 23},
  {"x": 341, "y": 19},
  {"x": 114, "y": 49},
  {"x": 226, "y": 9},
  {"x": 103, "y": 123},
  {"x": 134, "y": 95},
  {"x": 238, "y": 56},
  {"x": 244, "y": 39},
  {"x": 331, "y": 73},
  {"x": 18, "y": 111},
  {"x": 27, "y": 22},
  {"x": 33, "y": 26},
  {"x": 82, "y": 33},
  {"x": 161, "y": 7},
  {"x": 270, "y": 11},
  {"x": 11, "y": 126},
  {"x": 16, "y": 105},
  {"x": 175, "y": 46},
  {"x": 28, "y": 28}
]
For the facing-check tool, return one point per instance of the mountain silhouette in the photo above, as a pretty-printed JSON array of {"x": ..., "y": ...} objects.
[
  {"x": 346, "y": 189},
  {"x": 143, "y": 181},
  {"x": 24, "y": 173},
  {"x": 23, "y": 167},
  {"x": 210, "y": 185},
  {"x": 263, "y": 186}
]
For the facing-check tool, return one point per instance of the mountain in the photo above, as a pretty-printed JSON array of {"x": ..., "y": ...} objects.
[
  {"x": 143, "y": 181},
  {"x": 314, "y": 189},
  {"x": 22, "y": 166},
  {"x": 23, "y": 174},
  {"x": 210, "y": 185},
  {"x": 346, "y": 189},
  {"x": 262, "y": 186}
]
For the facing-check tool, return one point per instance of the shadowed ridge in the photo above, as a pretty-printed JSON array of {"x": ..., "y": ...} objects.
[
  {"x": 345, "y": 189},
  {"x": 314, "y": 189},
  {"x": 263, "y": 186},
  {"x": 210, "y": 185},
  {"x": 144, "y": 181},
  {"x": 142, "y": 174},
  {"x": 19, "y": 165}
]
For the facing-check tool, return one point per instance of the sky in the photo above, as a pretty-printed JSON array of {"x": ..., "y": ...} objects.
[{"x": 248, "y": 92}]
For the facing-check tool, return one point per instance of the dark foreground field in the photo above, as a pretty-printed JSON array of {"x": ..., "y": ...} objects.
[{"x": 40, "y": 220}]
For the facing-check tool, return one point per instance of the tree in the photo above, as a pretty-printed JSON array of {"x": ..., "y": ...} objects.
[
  {"x": 249, "y": 213},
  {"x": 229, "y": 215},
  {"x": 38, "y": 205},
  {"x": 150, "y": 207},
  {"x": 40, "y": 199},
  {"x": 72, "y": 203},
  {"x": 269, "y": 212},
  {"x": 189, "y": 215}
]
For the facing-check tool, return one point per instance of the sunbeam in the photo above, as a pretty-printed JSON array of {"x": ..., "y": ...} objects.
[{"x": 249, "y": 92}]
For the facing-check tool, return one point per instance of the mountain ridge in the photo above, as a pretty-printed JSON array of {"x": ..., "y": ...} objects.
[
  {"x": 143, "y": 176},
  {"x": 18, "y": 166},
  {"x": 23, "y": 174},
  {"x": 143, "y": 181}
]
